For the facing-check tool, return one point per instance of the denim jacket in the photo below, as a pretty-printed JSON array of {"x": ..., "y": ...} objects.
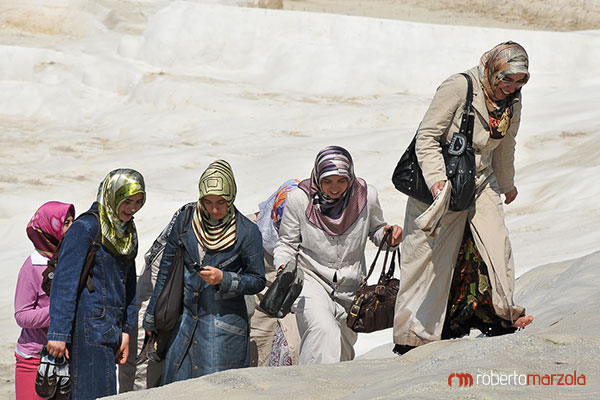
[
  {"x": 110, "y": 308},
  {"x": 214, "y": 317}
]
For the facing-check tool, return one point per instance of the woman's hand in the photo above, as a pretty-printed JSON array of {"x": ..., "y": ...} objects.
[
  {"x": 437, "y": 188},
  {"x": 121, "y": 357},
  {"x": 211, "y": 275},
  {"x": 57, "y": 348},
  {"x": 396, "y": 237},
  {"x": 510, "y": 196}
]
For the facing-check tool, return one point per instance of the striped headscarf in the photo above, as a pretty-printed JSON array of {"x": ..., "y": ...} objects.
[
  {"x": 334, "y": 216},
  {"x": 45, "y": 229},
  {"x": 270, "y": 214},
  {"x": 216, "y": 234},
  {"x": 118, "y": 236},
  {"x": 504, "y": 59}
]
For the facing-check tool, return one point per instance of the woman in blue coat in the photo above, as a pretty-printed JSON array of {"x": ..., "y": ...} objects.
[
  {"x": 223, "y": 262},
  {"x": 92, "y": 327}
]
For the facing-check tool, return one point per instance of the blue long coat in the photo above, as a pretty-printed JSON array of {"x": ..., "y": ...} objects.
[
  {"x": 91, "y": 323},
  {"x": 214, "y": 332}
]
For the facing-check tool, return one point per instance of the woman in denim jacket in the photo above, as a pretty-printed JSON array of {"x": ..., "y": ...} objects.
[
  {"x": 92, "y": 327},
  {"x": 223, "y": 262}
]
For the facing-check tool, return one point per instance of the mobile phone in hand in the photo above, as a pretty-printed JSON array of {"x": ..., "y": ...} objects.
[{"x": 197, "y": 267}]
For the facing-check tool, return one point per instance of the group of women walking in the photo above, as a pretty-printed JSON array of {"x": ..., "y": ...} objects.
[{"x": 460, "y": 278}]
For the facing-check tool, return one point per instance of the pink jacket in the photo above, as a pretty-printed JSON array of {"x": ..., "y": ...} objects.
[{"x": 32, "y": 306}]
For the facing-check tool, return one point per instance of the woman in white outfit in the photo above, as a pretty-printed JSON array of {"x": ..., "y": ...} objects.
[{"x": 325, "y": 227}]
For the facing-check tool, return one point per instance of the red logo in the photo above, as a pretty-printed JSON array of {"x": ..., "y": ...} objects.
[{"x": 464, "y": 379}]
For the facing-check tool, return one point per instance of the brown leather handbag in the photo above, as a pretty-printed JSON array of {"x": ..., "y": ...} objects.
[{"x": 373, "y": 306}]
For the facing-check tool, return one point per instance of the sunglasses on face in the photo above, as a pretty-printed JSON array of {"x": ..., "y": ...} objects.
[{"x": 509, "y": 82}]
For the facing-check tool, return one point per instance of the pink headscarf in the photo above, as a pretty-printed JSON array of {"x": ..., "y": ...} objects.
[{"x": 45, "y": 229}]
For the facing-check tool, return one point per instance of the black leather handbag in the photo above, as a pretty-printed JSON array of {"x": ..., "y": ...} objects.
[
  {"x": 169, "y": 304},
  {"x": 285, "y": 289},
  {"x": 459, "y": 157},
  {"x": 373, "y": 306}
]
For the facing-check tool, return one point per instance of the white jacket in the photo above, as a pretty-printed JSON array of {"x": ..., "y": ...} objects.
[{"x": 337, "y": 262}]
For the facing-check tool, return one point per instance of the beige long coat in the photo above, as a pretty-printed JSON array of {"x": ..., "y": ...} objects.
[{"x": 428, "y": 262}]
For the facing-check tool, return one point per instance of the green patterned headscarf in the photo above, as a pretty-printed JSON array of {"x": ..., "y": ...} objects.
[
  {"x": 118, "y": 236},
  {"x": 216, "y": 234}
]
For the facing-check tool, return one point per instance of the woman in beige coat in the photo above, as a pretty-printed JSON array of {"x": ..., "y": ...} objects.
[{"x": 428, "y": 260}]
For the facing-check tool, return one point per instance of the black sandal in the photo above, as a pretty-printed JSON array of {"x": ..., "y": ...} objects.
[
  {"x": 64, "y": 379},
  {"x": 46, "y": 379}
]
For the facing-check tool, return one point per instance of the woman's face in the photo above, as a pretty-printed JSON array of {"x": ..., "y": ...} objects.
[
  {"x": 508, "y": 85},
  {"x": 130, "y": 206},
  {"x": 216, "y": 206},
  {"x": 67, "y": 224},
  {"x": 334, "y": 186}
]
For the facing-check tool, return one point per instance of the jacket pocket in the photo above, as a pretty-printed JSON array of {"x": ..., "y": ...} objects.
[
  {"x": 230, "y": 344},
  {"x": 101, "y": 329},
  {"x": 230, "y": 328}
]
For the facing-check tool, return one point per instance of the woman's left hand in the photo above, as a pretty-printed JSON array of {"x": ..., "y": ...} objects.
[
  {"x": 121, "y": 357},
  {"x": 211, "y": 275},
  {"x": 510, "y": 196},
  {"x": 396, "y": 234}
]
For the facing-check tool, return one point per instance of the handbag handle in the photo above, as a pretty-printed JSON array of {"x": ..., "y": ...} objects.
[
  {"x": 390, "y": 272},
  {"x": 384, "y": 242},
  {"x": 468, "y": 119}
]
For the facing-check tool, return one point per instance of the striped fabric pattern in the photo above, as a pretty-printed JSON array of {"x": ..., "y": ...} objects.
[{"x": 212, "y": 233}]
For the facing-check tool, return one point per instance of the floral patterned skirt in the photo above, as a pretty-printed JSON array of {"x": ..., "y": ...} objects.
[{"x": 470, "y": 300}]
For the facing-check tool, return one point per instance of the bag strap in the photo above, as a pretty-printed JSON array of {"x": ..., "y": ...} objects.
[
  {"x": 384, "y": 242},
  {"x": 85, "y": 278},
  {"x": 54, "y": 260},
  {"x": 469, "y": 98},
  {"x": 385, "y": 277},
  {"x": 188, "y": 216},
  {"x": 390, "y": 272},
  {"x": 468, "y": 118}
]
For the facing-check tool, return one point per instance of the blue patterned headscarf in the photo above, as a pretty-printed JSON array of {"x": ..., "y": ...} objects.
[{"x": 271, "y": 212}]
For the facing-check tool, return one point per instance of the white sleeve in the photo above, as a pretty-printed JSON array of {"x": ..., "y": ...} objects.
[{"x": 290, "y": 236}]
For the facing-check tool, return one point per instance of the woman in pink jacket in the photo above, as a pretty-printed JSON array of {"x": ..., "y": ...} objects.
[{"x": 45, "y": 230}]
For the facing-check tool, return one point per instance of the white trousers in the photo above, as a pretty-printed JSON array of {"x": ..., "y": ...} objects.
[{"x": 325, "y": 338}]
